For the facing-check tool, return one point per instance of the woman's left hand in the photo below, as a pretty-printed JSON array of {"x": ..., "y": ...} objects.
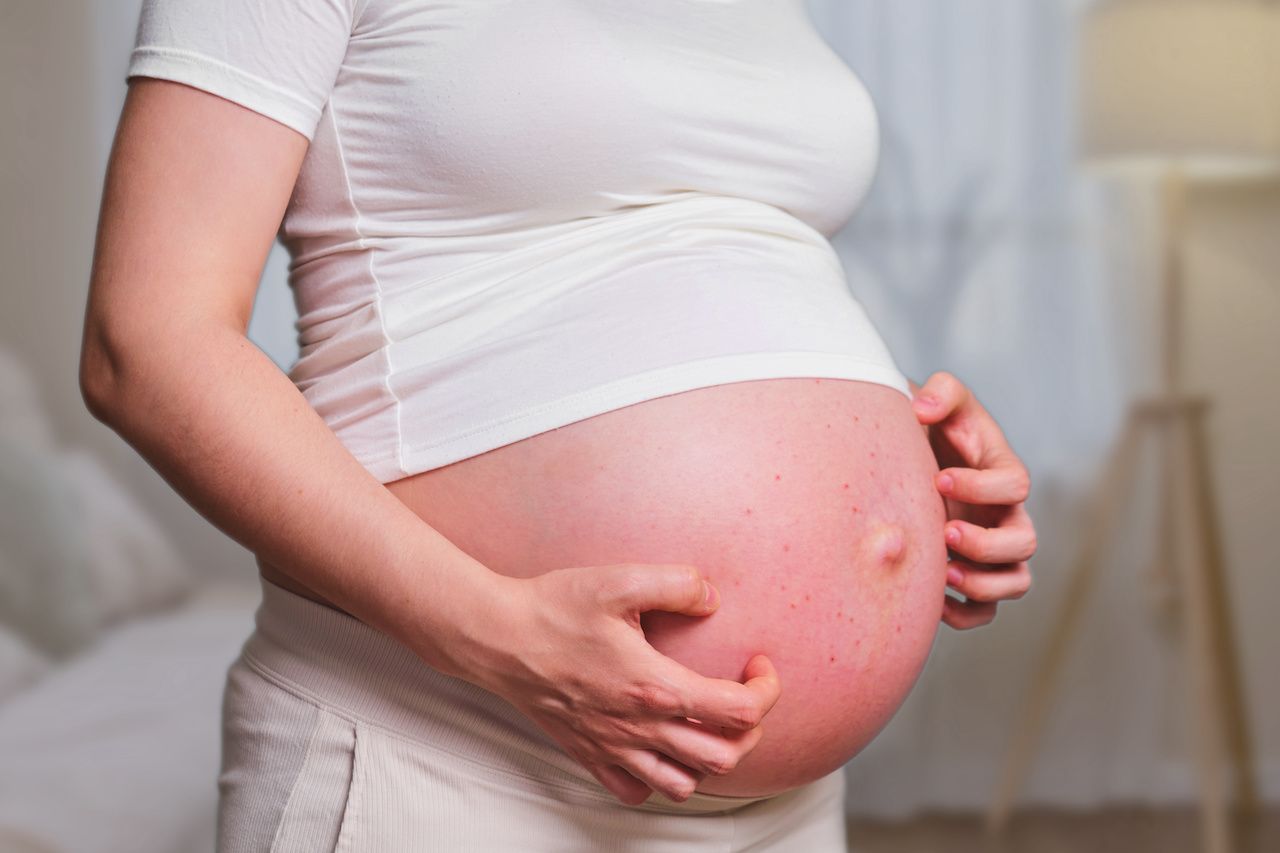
[{"x": 984, "y": 486}]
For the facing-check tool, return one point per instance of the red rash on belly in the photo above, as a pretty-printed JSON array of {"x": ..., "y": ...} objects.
[{"x": 825, "y": 543}]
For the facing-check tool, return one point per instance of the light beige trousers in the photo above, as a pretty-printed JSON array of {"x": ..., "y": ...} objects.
[{"x": 335, "y": 737}]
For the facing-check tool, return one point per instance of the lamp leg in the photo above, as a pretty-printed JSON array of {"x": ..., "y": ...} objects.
[
  {"x": 1198, "y": 641},
  {"x": 1106, "y": 506},
  {"x": 1161, "y": 574},
  {"x": 1235, "y": 717}
]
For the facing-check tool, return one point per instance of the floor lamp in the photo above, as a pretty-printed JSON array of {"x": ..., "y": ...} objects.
[{"x": 1191, "y": 87}]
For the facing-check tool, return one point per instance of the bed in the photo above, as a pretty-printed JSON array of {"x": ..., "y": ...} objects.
[
  {"x": 117, "y": 748},
  {"x": 113, "y": 654}
]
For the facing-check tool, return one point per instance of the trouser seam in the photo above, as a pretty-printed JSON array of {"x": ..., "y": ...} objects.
[{"x": 297, "y": 776}]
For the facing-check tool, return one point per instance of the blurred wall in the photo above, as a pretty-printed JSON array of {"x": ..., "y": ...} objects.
[
  {"x": 1234, "y": 356},
  {"x": 50, "y": 178},
  {"x": 62, "y": 65}
]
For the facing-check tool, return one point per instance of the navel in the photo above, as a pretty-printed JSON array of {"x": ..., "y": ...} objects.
[{"x": 886, "y": 544}]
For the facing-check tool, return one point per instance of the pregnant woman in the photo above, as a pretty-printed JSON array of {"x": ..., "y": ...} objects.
[{"x": 594, "y": 513}]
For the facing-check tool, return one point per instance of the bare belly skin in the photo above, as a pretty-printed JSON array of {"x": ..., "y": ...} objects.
[{"x": 809, "y": 503}]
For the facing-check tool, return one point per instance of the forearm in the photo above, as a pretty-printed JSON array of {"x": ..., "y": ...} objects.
[{"x": 237, "y": 440}]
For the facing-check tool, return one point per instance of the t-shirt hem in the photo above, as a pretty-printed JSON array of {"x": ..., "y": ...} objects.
[
  {"x": 226, "y": 81},
  {"x": 416, "y": 458}
]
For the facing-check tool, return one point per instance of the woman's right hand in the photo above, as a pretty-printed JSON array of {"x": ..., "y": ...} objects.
[
  {"x": 199, "y": 183},
  {"x": 566, "y": 648}
]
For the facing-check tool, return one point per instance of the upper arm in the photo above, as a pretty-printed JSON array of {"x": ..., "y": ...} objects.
[
  {"x": 195, "y": 190},
  {"x": 224, "y": 97}
]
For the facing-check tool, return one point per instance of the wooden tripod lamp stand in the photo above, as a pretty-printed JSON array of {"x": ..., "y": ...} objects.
[{"x": 1191, "y": 87}]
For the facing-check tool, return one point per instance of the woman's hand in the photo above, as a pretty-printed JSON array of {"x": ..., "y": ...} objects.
[
  {"x": 568, "y": 651},
  {"x": 984, "y": 485}
]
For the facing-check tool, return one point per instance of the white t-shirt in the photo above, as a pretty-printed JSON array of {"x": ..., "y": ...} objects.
[{"x": 516, "y": 214}]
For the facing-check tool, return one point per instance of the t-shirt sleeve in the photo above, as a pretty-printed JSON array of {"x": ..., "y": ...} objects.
[{"x": 279, "y": 58}]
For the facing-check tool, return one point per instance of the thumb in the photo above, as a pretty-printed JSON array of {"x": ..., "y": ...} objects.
[
  {"x": 941, "y": 395},
  {"x": 674, "y": 588},
  {"x": 928, "y": 407}
]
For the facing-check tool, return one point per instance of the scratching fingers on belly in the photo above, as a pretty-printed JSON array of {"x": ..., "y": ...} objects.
[
  {"x": 962, "y": 615},
  {"x": 721, "y": 702},
  {"x": 989, "y": 583},
  {"x": 712, "y": 752},
  {"x": 669, "y": 777},
  {"x": 1003, "y": 544},
  {"x": 627, "y": 788},
  {"x": 675, "y": 752}
]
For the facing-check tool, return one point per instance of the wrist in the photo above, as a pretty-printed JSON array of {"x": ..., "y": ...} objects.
[{"x": 459, "y": 624}]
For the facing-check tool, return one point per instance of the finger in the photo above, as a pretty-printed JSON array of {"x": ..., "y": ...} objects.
[
  {"x": 989, "y": 583},
  {"x": 621, "y": 784},
  {"x": 967, "y": 438},
  {"x": 963, "y": 615},
  {"x": 940, "y": 396},
  {"x": 962, "y": 432},
  {"x": 1006, "y": 482},
  {"x": 673, "y": 587},
  {"x": 1011, "y": 543},
  {"x": 724, "y": 703},
  {"x": 665, "y": 776},
  {"x": 714, "y": 752}
]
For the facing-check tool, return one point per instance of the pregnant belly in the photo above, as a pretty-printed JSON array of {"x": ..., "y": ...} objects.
[{"x": 809, "y": 503}]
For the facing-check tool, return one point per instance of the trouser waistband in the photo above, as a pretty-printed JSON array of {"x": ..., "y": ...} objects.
[{"x": 346, "y": 665}]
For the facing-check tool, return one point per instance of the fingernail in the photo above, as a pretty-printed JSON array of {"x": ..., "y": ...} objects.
[
  {"x": 953, "y": 536},
  {"x": 954, "y": 575},
  {"x": 945, "y": 483},
  {"x": 712, "y": 597},
  {"x": 927, "y": 400}
]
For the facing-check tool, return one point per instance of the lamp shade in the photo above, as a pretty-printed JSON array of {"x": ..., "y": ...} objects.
[{"x": 1197, "y": 81}]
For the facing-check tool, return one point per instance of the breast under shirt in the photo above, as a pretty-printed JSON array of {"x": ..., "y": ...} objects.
[{"x": 517, "y": 214}]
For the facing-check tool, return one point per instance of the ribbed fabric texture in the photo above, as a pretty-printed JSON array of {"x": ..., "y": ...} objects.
[{"x": 338, "y": 738}]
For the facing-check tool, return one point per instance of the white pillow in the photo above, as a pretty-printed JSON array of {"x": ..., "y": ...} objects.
[
  {"x": 22, "y": 416},
  {"x": 20, "y": 665},
  {"x": 77, "y": 552},
  {"x": 134, "y": 568},
  {"x": 45, "y": 593}
]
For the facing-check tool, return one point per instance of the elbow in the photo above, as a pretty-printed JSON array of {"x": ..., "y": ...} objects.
[{"x": 100, "y": 375}]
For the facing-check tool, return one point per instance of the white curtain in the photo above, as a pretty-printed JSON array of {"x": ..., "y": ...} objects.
[{"x": 983, "y": 251}]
